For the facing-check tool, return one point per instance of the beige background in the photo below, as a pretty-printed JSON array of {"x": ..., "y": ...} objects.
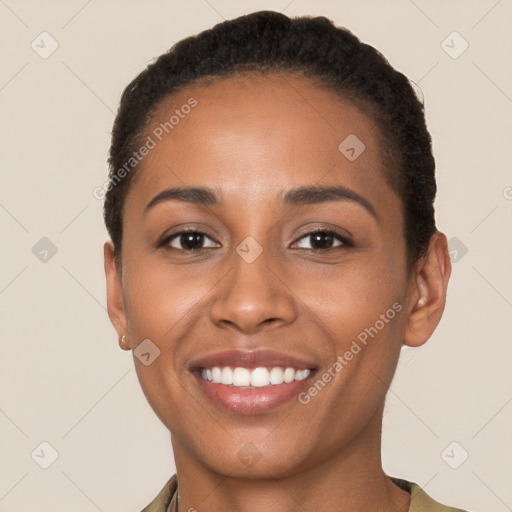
[{"x": 63, "y": 378}]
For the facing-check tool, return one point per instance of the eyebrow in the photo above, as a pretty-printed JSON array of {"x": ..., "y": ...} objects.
[{"x": 299, "y": 196}]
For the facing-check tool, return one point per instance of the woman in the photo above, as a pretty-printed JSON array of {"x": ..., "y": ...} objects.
[{"x": 273, "y": 246}]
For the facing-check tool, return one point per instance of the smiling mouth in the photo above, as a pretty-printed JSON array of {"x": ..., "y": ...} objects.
[
  {"x": 251, "y": 382},
  {"x": 252, "y": 391},
  {"x": 251, "y": 378}
]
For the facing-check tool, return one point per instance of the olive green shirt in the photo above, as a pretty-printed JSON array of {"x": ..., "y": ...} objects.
[{"x": 420, "y": 500}]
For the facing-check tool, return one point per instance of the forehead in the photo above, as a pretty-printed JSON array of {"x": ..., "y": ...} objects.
[{"x": 254, "y": 135}]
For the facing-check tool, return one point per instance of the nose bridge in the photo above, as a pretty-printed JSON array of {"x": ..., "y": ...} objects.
[{"x": 253, "y": 292}]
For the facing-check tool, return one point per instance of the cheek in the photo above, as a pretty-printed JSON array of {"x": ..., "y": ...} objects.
[
  {"x": 360, "y": 308},
  {"x": 162, "y": 305},
  {"x": 160, "y": 296},
  {"x": 351, "y": 297}
]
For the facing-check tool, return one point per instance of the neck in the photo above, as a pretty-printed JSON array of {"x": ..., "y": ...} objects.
[{"x": 351, "y": 479}]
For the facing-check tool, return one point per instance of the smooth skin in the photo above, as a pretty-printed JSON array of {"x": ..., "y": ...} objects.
[{"x": 252, "y": 138}]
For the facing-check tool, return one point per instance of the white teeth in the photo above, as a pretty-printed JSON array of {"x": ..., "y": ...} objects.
[
  {"x": 289, "y": 375},
  {"x": 302, "y": 374},
  {"x": 257, "y": 377},
  {"x": 260, "y": 378},
  {"x": 276, "y": 376},
  {"x": 226, "y": 377},
  {"x": 241, "y": 377},
  {"x": 216, "y": 374}
]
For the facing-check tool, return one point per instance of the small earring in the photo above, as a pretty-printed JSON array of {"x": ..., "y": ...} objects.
[
  {"x": 422, "y": 301},
  {"x": 123, "y": 339}
]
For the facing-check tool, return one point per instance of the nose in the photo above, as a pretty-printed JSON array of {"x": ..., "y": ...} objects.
[{"x": 253, "y": 296}]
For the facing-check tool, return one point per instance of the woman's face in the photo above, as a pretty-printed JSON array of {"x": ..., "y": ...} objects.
[{"x": 254, "y": 288}]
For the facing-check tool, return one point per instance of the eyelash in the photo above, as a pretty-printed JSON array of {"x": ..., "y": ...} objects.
[{"x": 345, "y": 242}]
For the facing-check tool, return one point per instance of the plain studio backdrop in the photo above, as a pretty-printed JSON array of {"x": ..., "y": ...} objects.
[{"x": 65, "y": 383}]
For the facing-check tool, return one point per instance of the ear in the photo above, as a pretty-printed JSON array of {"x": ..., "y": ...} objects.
[
  {"x": 428, "y": 291},
  {"x": 115, "y": 302}
]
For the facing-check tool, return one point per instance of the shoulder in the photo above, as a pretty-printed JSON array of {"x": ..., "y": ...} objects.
[
  {"x": 162, "y": 500},
  {"x": 420, "y": 500}
]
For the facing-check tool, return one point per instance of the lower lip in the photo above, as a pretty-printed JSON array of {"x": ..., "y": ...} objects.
[{"x": 251, "y": 401}]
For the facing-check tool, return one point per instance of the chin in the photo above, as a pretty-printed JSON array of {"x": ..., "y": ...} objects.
[{"x": 255, "y": 460}]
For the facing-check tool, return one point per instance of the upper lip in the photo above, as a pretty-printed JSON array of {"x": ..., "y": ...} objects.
[{"x": 250, "y": 359}]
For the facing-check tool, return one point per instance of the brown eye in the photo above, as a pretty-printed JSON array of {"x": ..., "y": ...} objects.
[
  {"x": 323, "y": 240},
  {"x": 188, "y": 240}
]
